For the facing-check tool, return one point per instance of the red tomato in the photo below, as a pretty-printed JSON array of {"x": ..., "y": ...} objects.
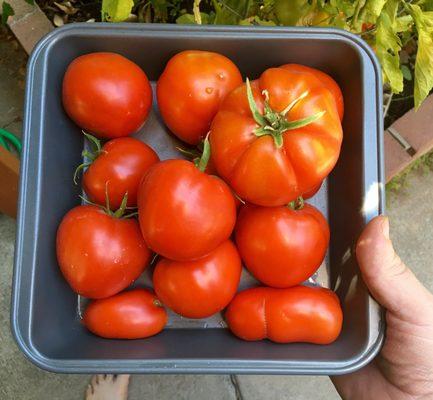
[
  {"x": 288, "y": 147},
  {"x": 309, "y": 194},
  {"x": 106, "y": 94},
  {"x": 134, "y": 314},
  {"x": 328, "y": 82},
  {"x": 118, "y": 168},
  {"x": 297, "y": 314},
  {"x": 184, "y": 213},
  {"x": 191, "y": 89},
  {"x": 99, "y": 254},
  {"x": 200, "y": 288},
  {"x": 282, "y": 246}
]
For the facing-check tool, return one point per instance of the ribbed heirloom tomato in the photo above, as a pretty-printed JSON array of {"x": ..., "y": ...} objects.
[
  {"x": 282, "y": 246},
  {"x": 99, "y": 252},
  {"x": 297, "y": 314},
  {"x": 278, "y": 137},
  {"x": 133, "y": 314},
  {"x": 106, "y": 94},
  {"x": 191, "y": 89},
  {"x": 116, "y": 169},
  {"x": 200, "y": 288},
  {"x": 184, "y": 213}
]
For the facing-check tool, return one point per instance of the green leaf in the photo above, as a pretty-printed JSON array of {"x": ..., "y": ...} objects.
[
  {"x": 424, "y": 55},
  {"x": 428, "y": 5},
  {"x": 7, "y": 11},
  {"x": 189, "y": 19},
  {"x": 116, "y": 10},
  {"x": 256, "y": 21},
  {"x": 230, "y": 12},
  {"x": 31, "y": 2},
  {"x": 403, "y": 23},
  {"x": 388, "y": 46},
  {"x": 374, "y": 7},
  {"x": 407, "y": 74}
]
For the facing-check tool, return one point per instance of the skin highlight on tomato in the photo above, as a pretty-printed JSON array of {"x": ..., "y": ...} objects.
[
  {"x": 118, "y": 168},
  {"x": 200, "y": 288},
  {"x": 327, "y": 81},
  {"x": 297, "y": 314},
  {"x": 106, "y": 94},
  {"x": 184, "y": 213},
  {"x": 99, "y": 254},
  {"x": 134, "y": 314},
  {"x": 272, "y": 163},
  {"x": 190, "y": 90},
  {"x": 281, "y": 246}
]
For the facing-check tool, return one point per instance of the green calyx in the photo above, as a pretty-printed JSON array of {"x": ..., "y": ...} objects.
[
  {"x": 92, "y": 155},
  {"x": 276, "y": 123},
  {"x": 123, "y": 211},
  {"x": 297, "y": 204},
  {"x": 201, "y": 163}
]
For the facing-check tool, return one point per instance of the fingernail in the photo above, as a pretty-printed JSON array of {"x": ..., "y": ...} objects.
[{"x": 385, "y": 227}]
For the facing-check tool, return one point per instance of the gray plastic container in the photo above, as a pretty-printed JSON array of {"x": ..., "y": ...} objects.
[{"x": 45, "y": 316}]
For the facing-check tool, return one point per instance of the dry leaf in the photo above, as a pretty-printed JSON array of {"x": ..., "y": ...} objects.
[
  {"x": 58, "y": 20},
  {"x": 66, "y": 7}
]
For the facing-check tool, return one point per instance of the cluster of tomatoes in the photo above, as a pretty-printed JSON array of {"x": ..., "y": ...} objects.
[{"x": 266, "y": 146}]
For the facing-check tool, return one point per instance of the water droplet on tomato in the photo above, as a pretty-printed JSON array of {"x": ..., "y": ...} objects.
[
  {"x": 209, "y": 90},
  {"x": 221, "y": 76}
]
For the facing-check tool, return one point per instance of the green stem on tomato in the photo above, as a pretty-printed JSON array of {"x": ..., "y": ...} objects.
[
  {"x": 205, "y": 156},
  {"x": 275, "y": 123},
  {"x": 297, "y": 204}
]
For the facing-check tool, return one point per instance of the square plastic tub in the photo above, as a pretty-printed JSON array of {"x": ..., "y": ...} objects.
[{"x": 45, "y": 320}]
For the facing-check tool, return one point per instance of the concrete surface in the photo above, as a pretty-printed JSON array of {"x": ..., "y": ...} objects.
[{"x": 412, "y": 232}]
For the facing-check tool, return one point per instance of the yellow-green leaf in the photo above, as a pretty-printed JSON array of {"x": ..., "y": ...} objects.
[
  {"x": 388, "y": 46},
  {"x": 116, "y": 10},
  {"x": 424, "y": 55},
  {"x": 374, "y": 7}
]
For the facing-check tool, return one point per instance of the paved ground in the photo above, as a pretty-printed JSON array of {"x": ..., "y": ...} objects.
[{"x": 411, "y": 223}]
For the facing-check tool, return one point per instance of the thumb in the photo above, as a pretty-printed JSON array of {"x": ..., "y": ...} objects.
[{"x": 390, "y": 282}]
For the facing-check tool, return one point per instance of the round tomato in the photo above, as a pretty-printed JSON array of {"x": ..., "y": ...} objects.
[
  {"x": 200, "y": 288},
  {"x": 276, "y": 138},
  {"x": 134, "y": 314},
  {"x": 184, "y": 213},
  {"x": 117, "y": 169},
  {"x": 106, "y": 94},
  {"x": 100, "y": 254},
  {"x": 191, "y": 89},
  {"x": 325, "y": 80},
  {"x": 282, "y": 246},
  {"x": 297, "y": 314}
]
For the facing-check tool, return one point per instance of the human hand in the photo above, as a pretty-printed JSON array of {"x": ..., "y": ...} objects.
[{"x": 404, "y": 367}]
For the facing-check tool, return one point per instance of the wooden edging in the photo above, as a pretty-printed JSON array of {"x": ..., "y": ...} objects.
[{"x": 29, "y": 24}]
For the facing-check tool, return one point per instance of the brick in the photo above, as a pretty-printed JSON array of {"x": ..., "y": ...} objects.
[
  {"x": 396, "y": 158},
  {"x": 29, "y": 24}
]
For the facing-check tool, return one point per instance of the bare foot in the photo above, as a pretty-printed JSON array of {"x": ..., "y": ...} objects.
[{"x": 108, "y": 387}]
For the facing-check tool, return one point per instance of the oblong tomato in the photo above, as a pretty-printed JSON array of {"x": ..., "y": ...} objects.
[
  {"x": 184, "y": 213},
  {"x": 106, "y": 94},
  {"x": 190, "y": 90},
  {"x": 99, "y": 255},
  {"x": 297, "y": 314},
  {"x": 200, "y": 288},
  {"x": 118, "y": 169},
  {"x": 286, "y": 147},
  {"x": 134, "y": 314},
  {"x": 281, "y": 246}
]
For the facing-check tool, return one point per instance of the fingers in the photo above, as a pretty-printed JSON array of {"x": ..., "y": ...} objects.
[{"x": 390, "y": 282}]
